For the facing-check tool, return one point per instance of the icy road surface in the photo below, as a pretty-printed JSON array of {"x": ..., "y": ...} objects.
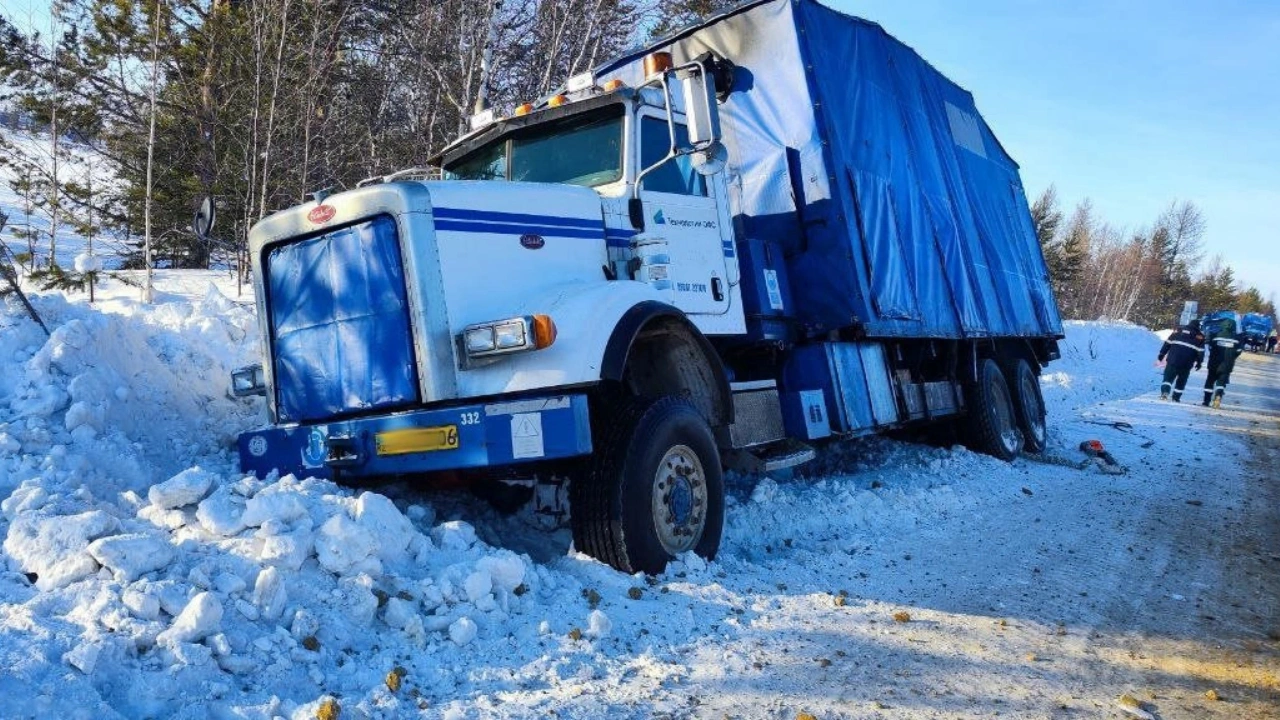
[{"x": 141, "y": 576}]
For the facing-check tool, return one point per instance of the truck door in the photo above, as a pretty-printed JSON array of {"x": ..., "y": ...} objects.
[{"x": 680, "y": 207}]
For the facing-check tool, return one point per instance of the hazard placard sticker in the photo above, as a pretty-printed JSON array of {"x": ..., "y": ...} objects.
[{"x": 526, "y": 436}]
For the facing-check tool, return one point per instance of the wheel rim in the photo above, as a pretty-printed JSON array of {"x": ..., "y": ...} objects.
[
  {"x": 679, "y": 499},
  {"x": 1003, "y": 411},
  {"x": 1034, "y": 408}
]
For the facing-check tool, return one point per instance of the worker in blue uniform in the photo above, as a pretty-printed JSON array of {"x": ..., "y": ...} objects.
[
  {"x": 1180, "y": 352},
  {"x": 1224, "y": 348}
]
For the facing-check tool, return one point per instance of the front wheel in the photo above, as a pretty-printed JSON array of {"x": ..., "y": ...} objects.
[
  {"x": 654, "y": 488},
  {"x": 993, "y": 429}
]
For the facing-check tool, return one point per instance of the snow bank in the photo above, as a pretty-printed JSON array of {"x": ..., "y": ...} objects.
[
  {"x": 141, "y": 575},
  {"x": 1101, "y": 361}
]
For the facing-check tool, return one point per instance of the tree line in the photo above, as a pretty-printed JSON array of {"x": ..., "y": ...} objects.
[
  {"x": 259, "y": 102},
  {"x": 1099, "y": 270}
]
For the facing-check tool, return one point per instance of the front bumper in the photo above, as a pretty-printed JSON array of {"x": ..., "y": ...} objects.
[{"x": 468, "y": 436}]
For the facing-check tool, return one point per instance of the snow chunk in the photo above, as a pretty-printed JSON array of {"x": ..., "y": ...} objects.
[
  {"x": 85, "y": 415},
  {"x": 454, "y": 535},
  {"x": 131, "y": 556},
  {"x": 284, "y": 506},
  {"x": 356, "y": 598},
  {"x": 8, "y": 444},
  {"x": 269, "y": 593},
  {"x": 228, "y": 583},
  {"x": 55, "y": 548},
  {"x": 462, "y": 631},
  {"x": 377, "y": 514},
  {"x": 84, "y": 657},
  {"x": 173, "y": 595},
  {"x": 199, "y": 619},
  {"x": 598, "y": 624},
  {"x": 399, "y": 613},
  {"x": 421, "y": 515},
  {"x": 158, "y": 516},
  {"x": 87, "y": 262},
  {"x": 144, "y": 606},
  {"x": 304, "y": 624},
  {"x": 27, "y": 498},
  {"x": 344, "y": 546},
  {"x": 477, "y": 585},
  {"x": 186, "y": 488},
  {"x": 505, "y": 568},
  {"x": 220, "y": 514},
  {"x": 287, "y": 551}
]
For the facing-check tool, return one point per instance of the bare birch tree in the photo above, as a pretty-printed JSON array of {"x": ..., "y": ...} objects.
[{"x": 148, "y": 291}]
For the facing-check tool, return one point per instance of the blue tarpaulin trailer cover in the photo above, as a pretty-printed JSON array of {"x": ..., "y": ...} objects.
[{"x": 897, "y": 210}]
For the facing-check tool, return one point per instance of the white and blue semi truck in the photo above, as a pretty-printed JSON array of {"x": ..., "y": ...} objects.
[{"x": 779, "y": 226}]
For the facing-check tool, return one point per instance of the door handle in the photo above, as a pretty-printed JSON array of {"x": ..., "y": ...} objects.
[{"x": 717, "y": 291}]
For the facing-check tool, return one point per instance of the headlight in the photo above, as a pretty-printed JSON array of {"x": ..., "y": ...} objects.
[
  {"x": 510, "y": 335},
  {"x": 502, "y": 337},
  {"x": 248, "y": 380},
  {"x": 479, "y": 340}
]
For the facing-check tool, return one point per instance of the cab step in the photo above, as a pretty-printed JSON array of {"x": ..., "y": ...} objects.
[{"x": 775, "y": 456}]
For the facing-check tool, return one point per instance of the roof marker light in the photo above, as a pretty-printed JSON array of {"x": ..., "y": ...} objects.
[
  {"x": 580, "y": 82},
  {"x": 656, "y": 64}
]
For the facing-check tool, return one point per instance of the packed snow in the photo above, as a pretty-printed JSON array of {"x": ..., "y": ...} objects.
[{"x": 143, "y": 576}]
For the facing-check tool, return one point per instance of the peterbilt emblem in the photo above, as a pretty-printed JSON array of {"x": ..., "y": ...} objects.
[
  {"x": 531, "y": 241},
  {"x": 321, "y": 214}
]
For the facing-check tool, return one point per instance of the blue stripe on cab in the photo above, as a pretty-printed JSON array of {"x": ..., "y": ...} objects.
[
  {"x": 509, "y": 229},
  {"x": 506, "y": 217},
  {"x": 618, "y": 237}
]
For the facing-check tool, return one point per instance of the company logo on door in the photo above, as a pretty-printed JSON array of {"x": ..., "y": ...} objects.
[{"x": 661, "y": 219}]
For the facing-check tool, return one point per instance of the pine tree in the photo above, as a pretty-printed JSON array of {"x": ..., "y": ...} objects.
[
  {"x": 1068, "y": 259},
  {"x": 1250, "y": 301},
  {"x": 672, "y": 16},
  {"x": 1215, "y": 287}
]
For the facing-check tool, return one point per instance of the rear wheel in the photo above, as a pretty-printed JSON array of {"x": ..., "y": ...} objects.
[
  {"x": 1028, "y": 405},
  {"x": 993, "y": 428},
  {"x": 654, "y": 489}
]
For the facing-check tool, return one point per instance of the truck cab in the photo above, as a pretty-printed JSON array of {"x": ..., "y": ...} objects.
[
  {"x": 569, "y": 267},
  {"x": 666, "y": 219}
]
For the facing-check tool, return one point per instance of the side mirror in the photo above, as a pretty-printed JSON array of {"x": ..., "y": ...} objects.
[
  {"x": 202, "y": 223},
  {"x": 710, "y": 161},
  {"x": 702, "y": 115}
]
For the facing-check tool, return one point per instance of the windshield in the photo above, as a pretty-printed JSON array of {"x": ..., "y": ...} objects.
[{"x": 579, "y": 150}]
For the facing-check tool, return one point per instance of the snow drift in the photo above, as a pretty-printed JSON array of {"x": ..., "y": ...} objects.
[{"x": 141, "y": 575}]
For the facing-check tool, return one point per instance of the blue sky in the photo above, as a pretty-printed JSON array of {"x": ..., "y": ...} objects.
[{"x": 1133, "y": 104}]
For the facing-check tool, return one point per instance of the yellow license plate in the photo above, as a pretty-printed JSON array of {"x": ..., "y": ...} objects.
[{"x": 417, "y": 440}]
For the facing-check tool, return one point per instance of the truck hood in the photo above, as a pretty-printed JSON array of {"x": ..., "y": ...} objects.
[
  {"x": 363, "y": 294},
  {"x": 505, "y": 247}
]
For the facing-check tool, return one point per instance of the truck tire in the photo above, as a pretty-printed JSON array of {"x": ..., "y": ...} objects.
[
  {"x": 1028, "y": 405},
  {"x": 654, "y": 487},
  {"x": 994, "y": 426}
]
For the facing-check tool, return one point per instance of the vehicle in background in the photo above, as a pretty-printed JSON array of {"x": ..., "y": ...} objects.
[
  {"x": 1221, "y": 322},
  {"x": 1255, "y": 327}
]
